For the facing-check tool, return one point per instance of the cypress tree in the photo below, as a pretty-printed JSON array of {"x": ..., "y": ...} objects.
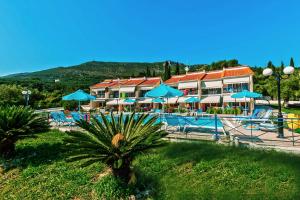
[
  {"x": 153, "y": 73},
  {"x": 292, "y": 62},
  {"x": 281, "y": 66},
  {"x": 270, "y": 65},
  {"x": 148, "y": 71},
  {"x": 167, "y": 71},
  {"x": 177, "y": 70}
]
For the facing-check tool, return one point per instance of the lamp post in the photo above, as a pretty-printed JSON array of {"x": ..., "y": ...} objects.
[
  {"x": 26, "y": 94},
  {"x": 278, "y": 76}
]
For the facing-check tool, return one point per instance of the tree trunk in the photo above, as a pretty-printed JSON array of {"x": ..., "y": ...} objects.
[
  {"x": 7, "y": 148},
  {"x": 123, "y": 173}
]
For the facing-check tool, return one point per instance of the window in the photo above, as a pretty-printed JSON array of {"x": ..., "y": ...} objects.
[
  {"x": 211, "y": 91},
  {"x": 131, "y": 94},
  {"x": 127, "y": 94},
  {"x": 100, "y": 94},
  {"x": 233, "y": 88},
  {"x": 114, "y": 94},
  {"x": 192, "y": 91}
]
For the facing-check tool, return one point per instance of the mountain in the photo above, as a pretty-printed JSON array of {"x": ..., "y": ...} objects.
[
  {"x": 86, "y": 74},
  {"x": 92, "y": 69}
]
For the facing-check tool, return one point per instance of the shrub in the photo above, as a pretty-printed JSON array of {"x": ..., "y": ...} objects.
[
  {"x": 70, "y": 105},
  {"x": 115, "y": 141},
  {"x": 18, "y": 122}
]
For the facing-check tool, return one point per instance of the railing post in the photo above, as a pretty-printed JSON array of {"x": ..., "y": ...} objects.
[
  {"x": 216, "y": 137},
  {"x": 251, "y": 126},
  {"x": 293, "y": 131}
]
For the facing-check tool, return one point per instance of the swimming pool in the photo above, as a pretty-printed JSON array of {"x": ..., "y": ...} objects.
[{"x": 201, "y": 122}]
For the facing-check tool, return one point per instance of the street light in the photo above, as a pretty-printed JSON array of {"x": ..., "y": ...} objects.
[
  {"x": 26, "y": 94},
  {"x": 278, "y": 75}
]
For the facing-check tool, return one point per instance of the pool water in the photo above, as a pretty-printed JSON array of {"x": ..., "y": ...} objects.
[
  {"x": 177, "y": 120},
  {"x": 203, "y": 121}
]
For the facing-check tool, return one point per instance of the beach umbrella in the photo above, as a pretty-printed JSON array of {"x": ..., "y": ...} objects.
[
  {"x": 192, "y": 100},
  {"x": 246, "y": 94},
  {"x": 79, "y": 96},
  {"x": 164, "y": 91},
  {"x": 130, "y": 102}
]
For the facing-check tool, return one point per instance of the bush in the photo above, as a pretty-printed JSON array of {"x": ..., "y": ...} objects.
[
  {"x": 18, "y": 122},
  {"x": 70, "y": 105},
  {"x": 214, "y": 110}
]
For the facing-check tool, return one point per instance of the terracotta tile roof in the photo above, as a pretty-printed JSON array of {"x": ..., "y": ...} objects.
[
  {"x": 151, "y": 81},
  {"x": 105, "y": 84},
  {"x": 213, "y": 75},
  {"x": 237, "y": 71},
  {"x": 133, "y": 81},
  {"x": 174, "y": 79},
  {"x": 193, "y": 76},
  {"x": 118, "y": 83}
]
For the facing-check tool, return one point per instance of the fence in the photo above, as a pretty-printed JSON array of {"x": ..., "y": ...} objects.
[{"x": 262, "y": 131}]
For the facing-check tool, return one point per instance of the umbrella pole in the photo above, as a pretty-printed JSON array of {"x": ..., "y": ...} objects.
[
  {"x": 235, "y": 110},
  {"x": 245, "y": 107},
  {"x": 79, "y": 106}
]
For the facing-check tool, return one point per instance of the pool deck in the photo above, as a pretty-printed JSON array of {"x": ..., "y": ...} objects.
[{"x": 234, "y": 131}]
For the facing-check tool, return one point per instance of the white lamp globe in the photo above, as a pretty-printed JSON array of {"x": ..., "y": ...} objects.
[
  {"x": 267, "y": 72},
  {"x": 288, "y": 70},
  {"x": 186, "y": 68}
]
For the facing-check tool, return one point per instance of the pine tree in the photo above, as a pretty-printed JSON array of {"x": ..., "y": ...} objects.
[
  {"x": 292, "y": 62},
  {"x": 177, "y": 70}
]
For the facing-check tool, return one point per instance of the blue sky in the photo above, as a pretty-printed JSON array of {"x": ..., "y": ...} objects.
[{"x": 39, "y": 34}]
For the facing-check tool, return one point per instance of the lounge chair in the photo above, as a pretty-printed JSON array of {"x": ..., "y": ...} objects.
[
  {"x": 55, "y": 118},
  {"x": 173, "y": 121},
  {"x": 265, "y": 118},
  {"x": 199, "y": 123},
  {"x": 157, "y": 111},
  {"x": 199, "y": 112},
  {"x": 269, "y": 127},
  {"x": 76, "y": 116},
  {"x": 256, "y": 114},
  {"x": 64, "y": 120}
]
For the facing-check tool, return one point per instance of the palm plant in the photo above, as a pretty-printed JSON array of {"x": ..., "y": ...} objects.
[
  {"x": 115, "y": 141},
  {"x": 15, "y": 123}
]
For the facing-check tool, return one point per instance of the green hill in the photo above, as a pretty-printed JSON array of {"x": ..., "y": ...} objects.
[{"x": 92, "y": 70}]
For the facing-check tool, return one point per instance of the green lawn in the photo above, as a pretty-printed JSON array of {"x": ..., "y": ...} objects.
[{"x": 177, "y": 171}]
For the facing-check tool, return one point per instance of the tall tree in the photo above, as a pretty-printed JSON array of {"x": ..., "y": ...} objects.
[
  {"x": 232, "y": 63},
  {"x": 177, "y": 69},
  {"x": 292, "y": 62},
  {"x": 281, "y": 66},
  {"x": 148, "y": 72},
  {"x": 153, "y": 73},
  {"x": 167, "y": 70},
  {"x": 270, "y": 65}
]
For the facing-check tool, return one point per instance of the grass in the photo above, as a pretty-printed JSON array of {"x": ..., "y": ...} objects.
[{"x": 198, "y": 170}]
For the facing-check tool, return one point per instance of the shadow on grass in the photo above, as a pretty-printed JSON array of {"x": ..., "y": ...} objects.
[{"x": 35, "y": 155}]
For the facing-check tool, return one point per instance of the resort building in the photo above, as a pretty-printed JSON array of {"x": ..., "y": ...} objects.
[
  {"x": 113, "y": 93},
  {"x": 213, "y": 88}
]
